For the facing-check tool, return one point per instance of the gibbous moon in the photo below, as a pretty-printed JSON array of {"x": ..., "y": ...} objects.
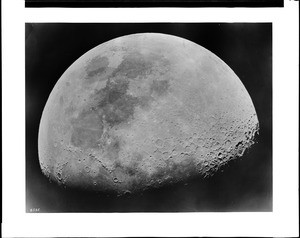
[{"x": 143, "y": 111}]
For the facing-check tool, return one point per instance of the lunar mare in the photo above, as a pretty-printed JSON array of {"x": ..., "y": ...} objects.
[{"x": 143, "y": 111}]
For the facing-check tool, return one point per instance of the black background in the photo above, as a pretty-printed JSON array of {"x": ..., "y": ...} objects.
[
  {"x": 245, "y": 184},
  {"x": 154, "y": 3}
]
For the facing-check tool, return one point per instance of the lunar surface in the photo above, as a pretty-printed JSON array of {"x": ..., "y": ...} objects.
[{"x": 143, "y": 111}]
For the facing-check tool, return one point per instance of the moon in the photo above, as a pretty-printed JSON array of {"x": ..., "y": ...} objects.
[{"x": 144, "y": 111}]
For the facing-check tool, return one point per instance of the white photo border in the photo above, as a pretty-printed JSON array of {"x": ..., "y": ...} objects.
[{"x": 284, "y": 219}]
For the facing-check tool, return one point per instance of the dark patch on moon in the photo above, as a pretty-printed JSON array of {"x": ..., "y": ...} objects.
[
  {"x": 97, "y": 66},
  {"x": 61, "y": 100},
  {"x": 87, "y": 130},
  {"x": 133, "y": 65},
  {"x": 69, "y": 110},
  {"x": 113, "y": 104},
  {"x": 159, "y": 87},
  {"x": 120, "y": 111},
  {"x": 131, "y": 171},
  {"x": 137, "y": 64},
  {"x": 87, "y": 119},
  {"x": 85, "y": 138}
]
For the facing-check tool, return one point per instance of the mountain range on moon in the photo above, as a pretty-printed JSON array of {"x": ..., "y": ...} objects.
[{"x": 144, "y": 111}]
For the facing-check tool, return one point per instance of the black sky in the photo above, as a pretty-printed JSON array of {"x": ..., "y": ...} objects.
[{"x": 154, "y": 3}]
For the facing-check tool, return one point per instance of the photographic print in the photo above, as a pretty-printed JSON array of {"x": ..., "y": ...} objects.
[{"x": 148, "y": 117}]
